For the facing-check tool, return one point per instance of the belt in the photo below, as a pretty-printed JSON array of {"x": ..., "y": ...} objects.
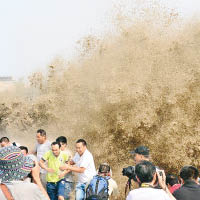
[{"x": 53, "y": 182}]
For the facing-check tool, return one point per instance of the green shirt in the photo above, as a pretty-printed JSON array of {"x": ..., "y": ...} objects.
[{"x": 54, "y": 163}]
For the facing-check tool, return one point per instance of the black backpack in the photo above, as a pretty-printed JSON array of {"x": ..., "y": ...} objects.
[{"x": 98, "y": 188}]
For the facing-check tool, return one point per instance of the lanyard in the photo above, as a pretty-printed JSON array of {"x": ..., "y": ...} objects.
[{"x": 145, "y": 185}]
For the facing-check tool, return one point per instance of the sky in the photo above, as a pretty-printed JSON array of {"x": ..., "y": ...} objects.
[{"x": 33, "y": 32}]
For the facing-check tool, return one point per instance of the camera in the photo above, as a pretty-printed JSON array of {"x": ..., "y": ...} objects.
[{"x": 129, "y": 172}]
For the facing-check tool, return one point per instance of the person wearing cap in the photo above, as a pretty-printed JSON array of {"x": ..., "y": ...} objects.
[
  {"x": 14, "y": 168},
  {"x": 140, "y": 153}
]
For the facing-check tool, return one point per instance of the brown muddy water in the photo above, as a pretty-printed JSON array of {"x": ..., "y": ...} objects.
[{"x": 137, "y": 86}]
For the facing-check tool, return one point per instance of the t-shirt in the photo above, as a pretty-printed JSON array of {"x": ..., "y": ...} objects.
[
  {"x": 86, "y": 160},
  {"x": 32, "y": 157},
  {"x": 147, "y": 194},
  {"x": 41, "y": 149},
  {"x": 23, "y": 191},
  {"x": 112, "y": 187},
  {"x": 69, "y": 176},
  {"x": 54, "y": 163}
]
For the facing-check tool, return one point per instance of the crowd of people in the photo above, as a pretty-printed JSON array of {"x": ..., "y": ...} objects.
[
  {"x": 51, "y": 172},
  {"x": 152, "y": 183}
]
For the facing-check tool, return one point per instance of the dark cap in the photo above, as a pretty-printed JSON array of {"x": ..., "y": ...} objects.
[{"x": 142, "y": 150}]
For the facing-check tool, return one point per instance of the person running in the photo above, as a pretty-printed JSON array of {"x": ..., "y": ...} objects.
[
  {"x": 24, "y": 151},
  {"x": 55, "y": 158},
  {"x": 42, "y": 146},
  {"x": 67, "y": 175},
  {"x": 83, "y": 164}
]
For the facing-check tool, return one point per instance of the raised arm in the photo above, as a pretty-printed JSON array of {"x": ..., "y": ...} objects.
[{"x": 162, "y": 183}]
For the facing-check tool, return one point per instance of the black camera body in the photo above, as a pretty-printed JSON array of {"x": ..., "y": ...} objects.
[{"x": 129, "y": 172}]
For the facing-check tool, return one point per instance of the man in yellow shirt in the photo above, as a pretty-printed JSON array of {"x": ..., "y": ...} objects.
[{"x": 55, "y": 158}]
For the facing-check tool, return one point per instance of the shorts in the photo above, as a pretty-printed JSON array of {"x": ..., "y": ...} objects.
[{"x": 61, "y": 188}]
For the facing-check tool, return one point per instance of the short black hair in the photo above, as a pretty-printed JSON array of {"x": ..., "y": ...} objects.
[
  {"x": 62, "y": 139},
  {"x": 171, "y": 179},
  {"x": 56, "y": 143},
  {"x": 82, "y": 141},
  {"x": 24, "y": 148},
  {"x": 4, "y": 139},
  {"x": 189, "y": 172},
  {"x": 145, "y": 171},
  {"x": 42, "y": 132}
]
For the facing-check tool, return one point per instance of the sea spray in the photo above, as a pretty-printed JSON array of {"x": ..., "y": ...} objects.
[{"x": 137, "y": 86}]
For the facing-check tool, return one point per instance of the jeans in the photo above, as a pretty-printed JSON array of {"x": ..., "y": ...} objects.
[
  {"x": 55, "y": 189},
  {"x": 80, "y": 191},
  {"x": 69, "y": 186}
]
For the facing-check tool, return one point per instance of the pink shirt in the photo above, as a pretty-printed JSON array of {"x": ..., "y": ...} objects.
[{"x": 174, "y": 187}]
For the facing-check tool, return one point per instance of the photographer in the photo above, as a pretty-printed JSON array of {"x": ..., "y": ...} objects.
[
  {"x": 147, "y": 177},
  {"x": 140, "y": 153}
]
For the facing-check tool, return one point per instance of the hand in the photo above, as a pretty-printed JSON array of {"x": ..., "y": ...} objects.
[
  {"x": 50, "y": 170},
  {"x": 162, "y": 179},
  {"x": 61, "y": 175},
  {"x": 65, "y": 167}
]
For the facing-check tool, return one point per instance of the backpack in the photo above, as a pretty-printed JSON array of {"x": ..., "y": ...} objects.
[{"x": 98, "y": 188}]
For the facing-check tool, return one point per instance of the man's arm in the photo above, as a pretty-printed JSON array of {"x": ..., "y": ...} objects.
[
  {"x": 72, "y": 168},
  {"x": 162, "y": 183},
  {"x": 34, "y": 151},
  {"x": 36, "y": 178},
  {"x": 43, "y": 166},
  {"x": 64, "y": 173}
]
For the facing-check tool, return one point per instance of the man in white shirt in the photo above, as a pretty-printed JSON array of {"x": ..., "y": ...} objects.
[
  {"x": 147, "y": 177},
  {"x": 83, "y": 164}
]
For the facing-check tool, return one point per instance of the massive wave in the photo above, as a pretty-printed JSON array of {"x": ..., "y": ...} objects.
[{"x": 137, "y": 86}]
